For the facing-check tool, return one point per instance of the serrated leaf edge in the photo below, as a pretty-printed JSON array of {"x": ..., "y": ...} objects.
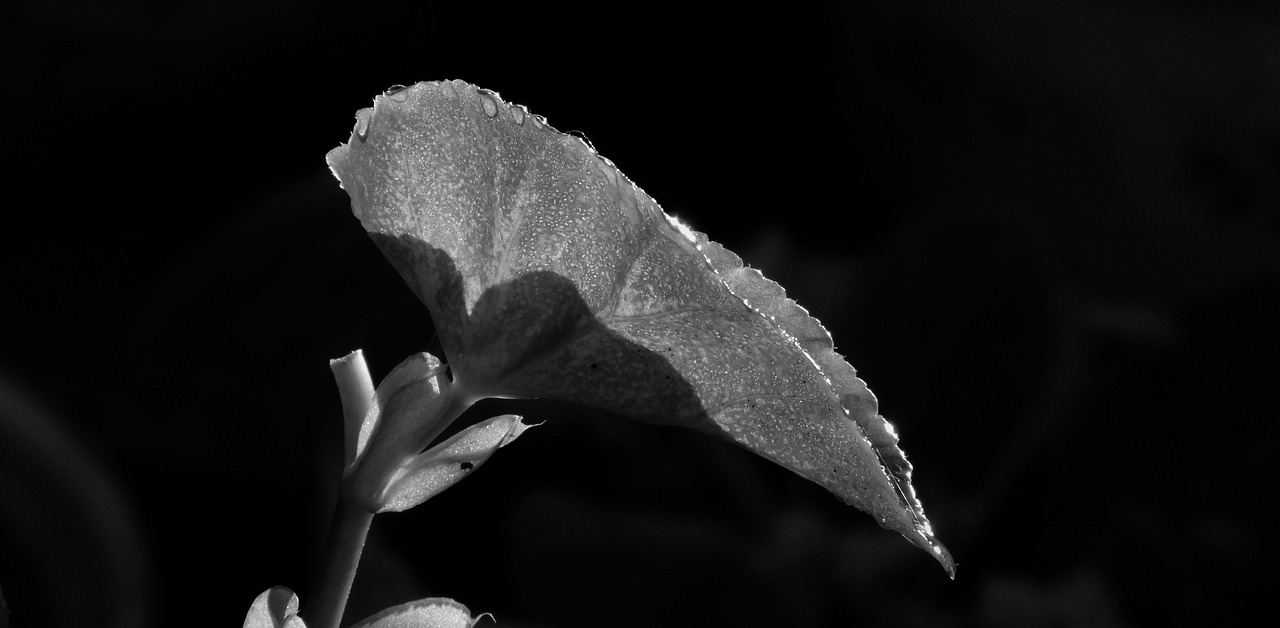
[{"x": 768, "y": 298}]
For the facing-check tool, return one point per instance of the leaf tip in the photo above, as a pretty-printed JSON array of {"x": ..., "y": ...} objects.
[{"x": 925, "y": 540}]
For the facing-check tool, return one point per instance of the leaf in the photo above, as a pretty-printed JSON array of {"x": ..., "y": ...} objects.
[
  {"x": 549, "y": 274},
  {"x": 276, "y": 607},
  {"x": 443, "y": 465},
  {"x": 436, "y": 612}
]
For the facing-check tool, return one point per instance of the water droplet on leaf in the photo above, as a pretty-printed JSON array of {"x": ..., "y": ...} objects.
[
  {"x": 487, "y": 101},
  {"x": 398, "y": 93}
]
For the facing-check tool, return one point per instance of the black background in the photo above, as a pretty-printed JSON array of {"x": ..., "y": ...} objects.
[{"x": 1045, "y": 233}]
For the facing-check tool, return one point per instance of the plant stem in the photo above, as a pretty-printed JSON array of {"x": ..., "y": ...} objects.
[{"x": 332, "y": 585}]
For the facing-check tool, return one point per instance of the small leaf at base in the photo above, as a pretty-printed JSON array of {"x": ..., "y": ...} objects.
[
  {"x": 436, "y": 612},
  {"x": 443, "y": 465},
  {"x": 276, "y": 607}
]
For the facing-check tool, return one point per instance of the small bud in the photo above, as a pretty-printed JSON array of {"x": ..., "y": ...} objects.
[{"x": 410, "y": 408}]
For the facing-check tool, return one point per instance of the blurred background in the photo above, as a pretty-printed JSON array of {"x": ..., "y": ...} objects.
[{"x": 1046, "y": 234}]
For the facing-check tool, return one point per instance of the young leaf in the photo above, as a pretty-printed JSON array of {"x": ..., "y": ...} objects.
[
  {"x": 436, "y": 612},
  {"x": 443, "y": 465},
  {"x": 550, "y": 274}
]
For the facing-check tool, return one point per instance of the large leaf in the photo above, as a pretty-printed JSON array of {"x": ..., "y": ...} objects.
[{"x": 550, "y": 274}]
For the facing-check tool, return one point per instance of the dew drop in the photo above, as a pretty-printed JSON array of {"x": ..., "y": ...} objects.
[
  {"x": 518, "y": 112},
  {"x": 398, "y": 93},
  {"x": 490, "y": 107}
]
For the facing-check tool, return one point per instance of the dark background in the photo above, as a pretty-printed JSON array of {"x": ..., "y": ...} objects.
[{"x": 1045, "y": 233}]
